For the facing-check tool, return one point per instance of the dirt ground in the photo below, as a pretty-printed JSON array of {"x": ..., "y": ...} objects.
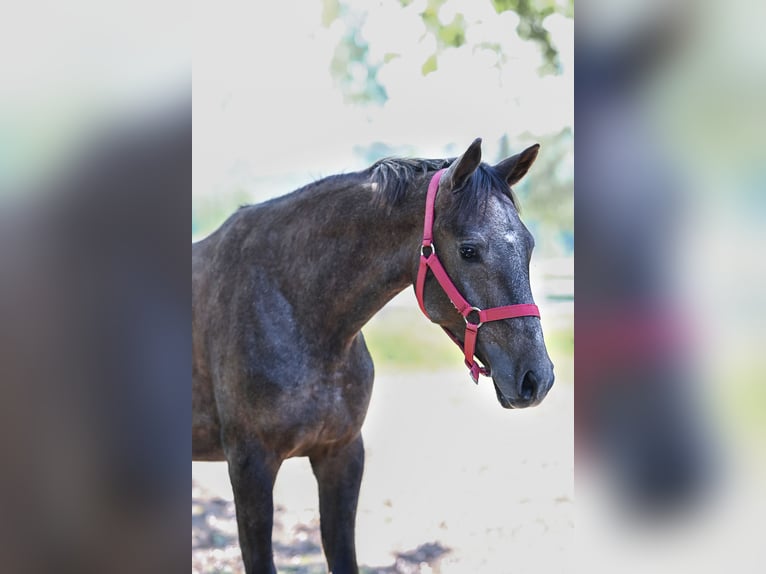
[{"x": 453, "y": 483}]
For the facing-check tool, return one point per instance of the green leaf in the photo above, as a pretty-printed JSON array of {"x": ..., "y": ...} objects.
[
  {"x": 429, "y": 65},
  {"x": 330, "y": 11}
]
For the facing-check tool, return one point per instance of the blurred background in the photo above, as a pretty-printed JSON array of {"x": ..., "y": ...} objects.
[
  {"x": 312, "y": 89},
  {"x": 95, "y": 168},
  {"x": 670, "y": 404},
  {"x": 286, "y": 95},
  {"x": 95, "y": 173}
]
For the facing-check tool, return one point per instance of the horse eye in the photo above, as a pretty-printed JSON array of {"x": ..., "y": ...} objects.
[{"x": 467, "y": 252}]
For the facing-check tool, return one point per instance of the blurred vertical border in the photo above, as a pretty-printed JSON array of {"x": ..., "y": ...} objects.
[
  {"x": 95, "y": 173},
  {"x": 669, "y": 203}
]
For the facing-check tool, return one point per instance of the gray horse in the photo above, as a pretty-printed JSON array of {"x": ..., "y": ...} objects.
[{"x": 281, "y": 291}]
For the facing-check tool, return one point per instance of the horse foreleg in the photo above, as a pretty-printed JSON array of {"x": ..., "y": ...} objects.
[
  {"x": 339, "y": 475},
  {"x": 252, "y": 472}
]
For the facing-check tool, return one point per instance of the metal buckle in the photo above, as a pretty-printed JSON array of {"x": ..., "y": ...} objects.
[
  {"x": 478, "y": 312},
  {"x": 431, "y": 247}
]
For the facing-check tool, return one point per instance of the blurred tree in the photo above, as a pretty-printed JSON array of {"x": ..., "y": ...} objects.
[
  {"x": 532, "y": 14},
  {"x": 351, "y": 64},
  {"x": 546, "y": 197},
  {"x": 357, "y": 72}
]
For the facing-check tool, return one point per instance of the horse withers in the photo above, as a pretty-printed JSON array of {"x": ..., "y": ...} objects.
[{"x": 281, "y": 291}]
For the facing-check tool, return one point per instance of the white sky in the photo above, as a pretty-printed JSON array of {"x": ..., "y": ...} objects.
[{"x": 266, "y": 108}]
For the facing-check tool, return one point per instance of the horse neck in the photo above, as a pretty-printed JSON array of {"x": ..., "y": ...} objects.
[{"x": 353, "y": 254}]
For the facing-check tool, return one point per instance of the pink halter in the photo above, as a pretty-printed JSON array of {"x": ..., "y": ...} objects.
[{"x": 431, "y": 261}]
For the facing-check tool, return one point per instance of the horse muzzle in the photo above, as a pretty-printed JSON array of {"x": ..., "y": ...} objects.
[{"x": 527, "y": 390}]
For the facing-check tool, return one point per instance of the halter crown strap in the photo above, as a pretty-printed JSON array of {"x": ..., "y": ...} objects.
[{"x": 429, "y": 260}]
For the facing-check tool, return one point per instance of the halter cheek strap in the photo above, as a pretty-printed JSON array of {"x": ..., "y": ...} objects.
[{"x": 473, "y": 316}]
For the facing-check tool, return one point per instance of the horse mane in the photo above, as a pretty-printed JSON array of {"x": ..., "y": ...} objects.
[{"x": 393, "y": 177}]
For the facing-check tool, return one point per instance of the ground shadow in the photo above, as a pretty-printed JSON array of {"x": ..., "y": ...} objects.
[
  {"x": 412, "y": 562},
  {"x": 297, "y": 550}
]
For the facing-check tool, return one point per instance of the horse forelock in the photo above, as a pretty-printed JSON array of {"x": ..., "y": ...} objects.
[{"x": 473, "y": 198}]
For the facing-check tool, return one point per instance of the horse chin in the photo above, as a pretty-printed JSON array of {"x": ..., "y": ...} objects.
[
  {"x": 501, "y": 398},
  {"x": 513, "y": 402},
  {"x": 518, "y": 391},
  {"x": 504, "y": 402}
]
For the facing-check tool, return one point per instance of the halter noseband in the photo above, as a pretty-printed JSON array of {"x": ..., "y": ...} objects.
[{"x": 431, "y": 261}]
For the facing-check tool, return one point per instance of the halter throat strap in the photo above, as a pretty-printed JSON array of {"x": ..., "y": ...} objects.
[{"x": 473, "y": 316}]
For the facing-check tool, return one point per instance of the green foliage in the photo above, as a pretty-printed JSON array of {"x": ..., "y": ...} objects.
[
  {"x": 356, "y": 73},
  {"x": 429, "y": 65},
  {"x": 453, "y": 34},
  {"x": 401, "y": 339},
  {"x": 531, "y": 15},
  {"x": 744, "y": 398},
  {"x": 351, "y": 66},
  {"x": 545, "y": 194},
  {"x": 330, "y": 11}
]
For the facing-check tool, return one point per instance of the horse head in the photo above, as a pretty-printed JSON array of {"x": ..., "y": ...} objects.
[{"x": 485, "y": 249}]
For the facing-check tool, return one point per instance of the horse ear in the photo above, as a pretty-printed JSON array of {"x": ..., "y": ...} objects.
[
  {"x": 462, "y": 168},
  {"x": 516, "y": 167}
]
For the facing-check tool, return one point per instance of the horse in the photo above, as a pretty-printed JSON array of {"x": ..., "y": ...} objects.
[{"x": 282, "y": 289}]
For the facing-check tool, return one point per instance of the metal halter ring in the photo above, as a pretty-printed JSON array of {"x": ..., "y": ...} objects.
[
  {"x": 478, "y": 312},
  {"x": 430, "y": 246}
]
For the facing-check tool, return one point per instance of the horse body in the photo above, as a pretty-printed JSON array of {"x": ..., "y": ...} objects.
[
  {"x": 280, "y": 293},
  {"x": 275, "y": 334}
]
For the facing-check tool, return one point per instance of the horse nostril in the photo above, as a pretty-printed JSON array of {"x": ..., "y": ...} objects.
[{"x": 528, "y": 386}]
